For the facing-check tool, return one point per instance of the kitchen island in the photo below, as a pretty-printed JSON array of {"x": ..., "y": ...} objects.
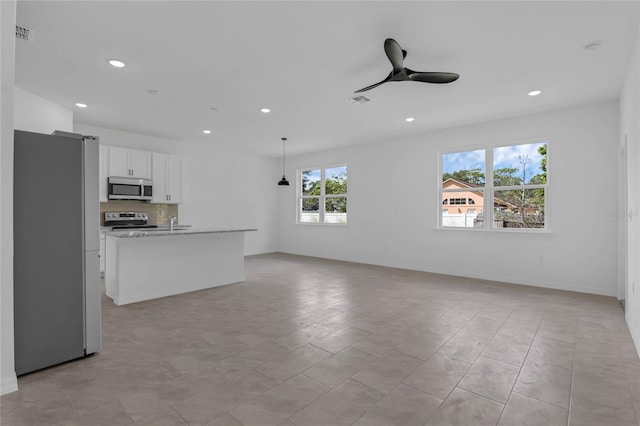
[{"x": 148, "y": 264}]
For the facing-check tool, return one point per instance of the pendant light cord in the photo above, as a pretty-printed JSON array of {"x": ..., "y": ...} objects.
[
  {"x": 283, "y": 181},
  {"x": 283, "y": 155}
]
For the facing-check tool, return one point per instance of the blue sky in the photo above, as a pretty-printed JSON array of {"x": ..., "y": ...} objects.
[
  {"x": 329, "y": 173},
  {"x": 506, "y": 156}
]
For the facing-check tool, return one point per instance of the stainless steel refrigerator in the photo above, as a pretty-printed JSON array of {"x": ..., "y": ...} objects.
[{"x": 56, "y": 245}]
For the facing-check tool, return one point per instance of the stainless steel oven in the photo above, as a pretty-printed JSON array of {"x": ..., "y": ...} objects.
[
  {"x": 123, "y": 188},
  {"x": 127, "y": 220}
]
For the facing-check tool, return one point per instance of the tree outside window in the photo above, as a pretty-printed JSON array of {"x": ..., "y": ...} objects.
[
  {"x": 323, "y": 195},
  {"x": 512, "y": 197}
]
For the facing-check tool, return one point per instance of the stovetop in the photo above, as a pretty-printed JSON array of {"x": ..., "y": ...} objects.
[{"x": 127, "y": 220}]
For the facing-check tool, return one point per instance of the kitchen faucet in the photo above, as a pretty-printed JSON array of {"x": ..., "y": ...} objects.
[{"x": 172, "y": 220}]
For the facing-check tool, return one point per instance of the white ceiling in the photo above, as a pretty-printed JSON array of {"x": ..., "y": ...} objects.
[{"x": 304, "y": 59}]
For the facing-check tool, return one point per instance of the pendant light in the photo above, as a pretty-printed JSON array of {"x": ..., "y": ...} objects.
[{"x": 283, "y": 181}]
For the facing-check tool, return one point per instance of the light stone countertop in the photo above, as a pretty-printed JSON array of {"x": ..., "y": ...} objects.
[{"x": 178, "y": 230}]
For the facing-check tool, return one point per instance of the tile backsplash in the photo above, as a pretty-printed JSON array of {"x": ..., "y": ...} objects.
[{"x": 159, "y": 214}]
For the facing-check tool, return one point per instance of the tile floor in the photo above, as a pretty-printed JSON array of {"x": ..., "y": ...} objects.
[{"x": 307, "y": 341}]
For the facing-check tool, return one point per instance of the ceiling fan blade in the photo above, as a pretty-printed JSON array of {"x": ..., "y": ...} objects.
[
  {"x": 375, "y": 85},
  {"x": 432, "y": 77},
  {"x": 394, "y": 53}
]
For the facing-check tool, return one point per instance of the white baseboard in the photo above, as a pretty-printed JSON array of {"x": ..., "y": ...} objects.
[
  {"x": 9, "y": 384},
  {"x": 467, "y": 274}
]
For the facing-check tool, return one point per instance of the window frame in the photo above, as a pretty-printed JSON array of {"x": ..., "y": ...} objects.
[
  {"x": 488, "y": 190},
  {"x": 322, "y": 197}
]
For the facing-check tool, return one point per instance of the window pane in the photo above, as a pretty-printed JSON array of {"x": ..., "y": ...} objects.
[
  {"x": 463, "y": 169},
  {"x": 335, "y": 180},
  {"x": 335, "y": 210},
  {"x": 456, "y": 210},
  {"x": 520, "y": 164},
  {"x": 310, "y": 210},
  {"x": 311, "y": 182},
  {"x": 522, "y": 208}
]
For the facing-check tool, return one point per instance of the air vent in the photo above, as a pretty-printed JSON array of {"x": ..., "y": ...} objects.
[
  {"x": 359, "y": 99},
  {"x": 22, "y": 33}
]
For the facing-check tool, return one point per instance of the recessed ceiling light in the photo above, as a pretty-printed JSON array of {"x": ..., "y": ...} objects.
[
  {"x": 409, "y": 119},
  {"x": 116, "y": 63},
  {"x": 153, "y": 91},
  {"x": 206, "y": 132},
  {"x": 265, "y": 110},
  {"x": 81, "y": 105},
  {"x": 534, "y": 92}
]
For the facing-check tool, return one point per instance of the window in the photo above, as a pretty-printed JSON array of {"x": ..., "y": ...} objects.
[
  {"x": 505, "y": 184},
  {"x": 322, "y": 195}
]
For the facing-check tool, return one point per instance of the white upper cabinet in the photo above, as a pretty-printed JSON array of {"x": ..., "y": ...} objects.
[
  {"x": 119, "y": 162},
  {"x": 103, "y": 173},
  {"x": 174, "y": 179},
  {"x": 129, "y": 162},
  {"x": 167, "y": 179},
  {"x": 140, "y": 164},
  {"x": 160, "y": 162}
]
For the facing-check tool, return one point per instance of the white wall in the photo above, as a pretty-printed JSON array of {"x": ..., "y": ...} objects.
[
  {"x": 220, "y": 188},
  {"x": 393, "y": 205},
  {"x": 36, "y": 114},
  {"x": 630, "y": 183},
  {"x": 8, "y": 381}
]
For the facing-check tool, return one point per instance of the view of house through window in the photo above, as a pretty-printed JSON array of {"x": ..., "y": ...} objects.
[
  {"x": 322, "y": 195},
  {"x": 499, "y": 187}
]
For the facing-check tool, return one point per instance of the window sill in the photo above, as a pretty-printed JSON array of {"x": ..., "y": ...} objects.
[
  {"x": 322, "y": 224},
  {"x": 532, "y": 231}
]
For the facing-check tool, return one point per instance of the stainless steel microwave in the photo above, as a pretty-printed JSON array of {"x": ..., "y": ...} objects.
[{"x": 126, "y": 188}]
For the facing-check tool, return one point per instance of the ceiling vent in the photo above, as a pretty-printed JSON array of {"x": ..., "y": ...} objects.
[
  {"x": 359, "y": 99},
  {"x": 22, "y": 33}
]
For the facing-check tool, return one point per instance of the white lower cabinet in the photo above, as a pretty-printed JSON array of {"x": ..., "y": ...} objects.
[{"x": 102, "y": 252}]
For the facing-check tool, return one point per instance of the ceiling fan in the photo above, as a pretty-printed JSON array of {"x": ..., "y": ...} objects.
[{"x": 396, "y": 56}]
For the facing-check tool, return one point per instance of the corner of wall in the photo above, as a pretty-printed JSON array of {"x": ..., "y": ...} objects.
[
  {"x": 629, "y": 233},
  {"x": 8, "y": 380}
]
